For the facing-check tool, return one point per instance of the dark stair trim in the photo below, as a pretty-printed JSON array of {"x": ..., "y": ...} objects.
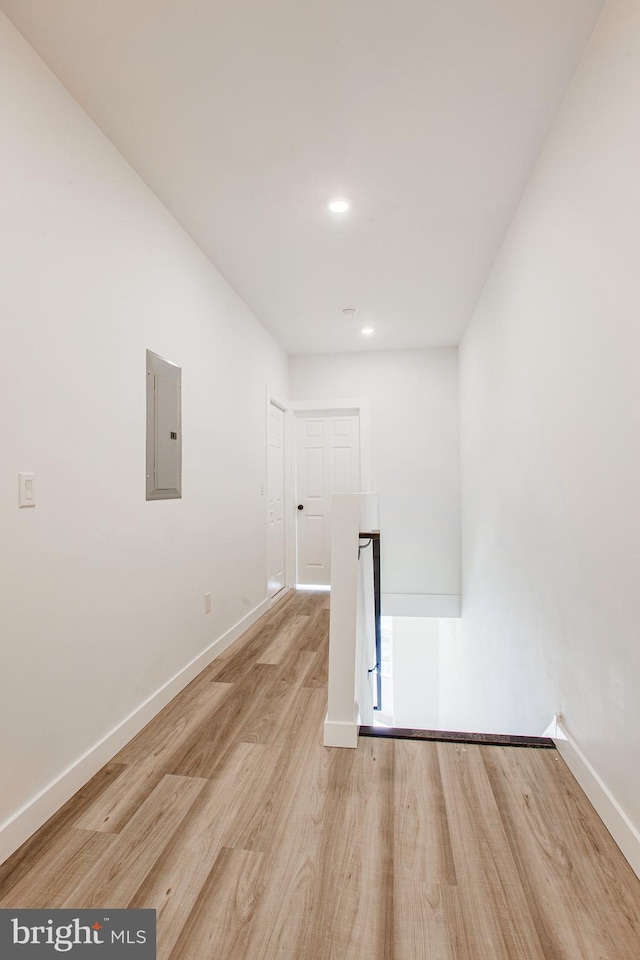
[{"x": 448, "y": 736}]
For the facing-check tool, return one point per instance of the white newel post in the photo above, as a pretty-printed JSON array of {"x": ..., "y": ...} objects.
[{"x": 341, "y": 723}]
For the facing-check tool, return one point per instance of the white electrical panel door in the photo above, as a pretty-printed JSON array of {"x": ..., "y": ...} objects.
[{"x": 164, "y": 429}]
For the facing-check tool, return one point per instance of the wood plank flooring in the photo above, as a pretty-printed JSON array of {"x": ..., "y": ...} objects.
[{"x": 254, "y": 842}]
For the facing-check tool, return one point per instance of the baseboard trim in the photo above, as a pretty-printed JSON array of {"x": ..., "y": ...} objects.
[
  {"x": 279, "y": 597},
  {"x": 29, "y": 818},
  {"x": 623, "y": 831},
  {"x": 340, "y": 733},
  {"x": 421, "y": 605}
]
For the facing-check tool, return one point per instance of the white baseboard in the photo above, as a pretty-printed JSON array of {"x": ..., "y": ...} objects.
[
  {"x": 280, "y": 595},
  {"x": 421, "y": 605},
  {"x": 341, "y": 733},
  {"x": 623, "y": 831},
  {"x": 25, "y": 821}
]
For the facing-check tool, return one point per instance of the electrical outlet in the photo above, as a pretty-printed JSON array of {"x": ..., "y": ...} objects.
[{"x": 207, "y": 603}]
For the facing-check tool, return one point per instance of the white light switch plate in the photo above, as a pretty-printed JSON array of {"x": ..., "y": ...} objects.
[{"x": 27, "y": 487}]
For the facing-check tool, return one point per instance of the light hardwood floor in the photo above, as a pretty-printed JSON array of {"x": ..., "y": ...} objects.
[{"x": 254, "y": 841}]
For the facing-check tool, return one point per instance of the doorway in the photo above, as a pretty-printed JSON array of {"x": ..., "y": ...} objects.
[
  {"x": 275, "y": 499},
  {"x": 327, "y": 462}
]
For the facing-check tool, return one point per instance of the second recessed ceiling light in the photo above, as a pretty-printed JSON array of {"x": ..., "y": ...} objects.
[{"x": 339, "y": 205}]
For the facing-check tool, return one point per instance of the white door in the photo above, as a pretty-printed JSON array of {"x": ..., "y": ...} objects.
[
  {"x": 327, "y": 462},
  {"x": 275, "y": 495}
]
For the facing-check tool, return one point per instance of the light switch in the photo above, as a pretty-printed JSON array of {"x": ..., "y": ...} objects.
[{"x": 27, "y": 487}]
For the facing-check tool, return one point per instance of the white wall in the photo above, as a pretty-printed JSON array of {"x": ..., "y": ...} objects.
[
  {"x": 415, "y": 455},
  {"x": 550, "y": 426},
  {"x": 101, "y": 593},
  {"x": 416, "y": 672}
]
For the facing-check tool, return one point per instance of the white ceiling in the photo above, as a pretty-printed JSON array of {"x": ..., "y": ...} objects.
[{"x": 246, "y": 116}]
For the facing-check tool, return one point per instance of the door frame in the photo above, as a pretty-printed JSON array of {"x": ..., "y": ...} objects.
[
  {"x": 322, "y": 408},
  {"x": 273, "y": 399}
]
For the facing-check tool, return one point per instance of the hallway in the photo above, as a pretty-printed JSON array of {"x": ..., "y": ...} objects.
[{"x": 254, "y": 841}]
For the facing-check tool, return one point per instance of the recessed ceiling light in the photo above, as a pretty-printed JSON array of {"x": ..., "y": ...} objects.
[
  {"x": 350, "y": 312},
  {"x": 339, "y": 205},
  {"x": 367, "y": 331}
]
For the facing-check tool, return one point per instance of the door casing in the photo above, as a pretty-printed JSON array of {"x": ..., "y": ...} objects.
[{"x": 276, "y": 502}]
